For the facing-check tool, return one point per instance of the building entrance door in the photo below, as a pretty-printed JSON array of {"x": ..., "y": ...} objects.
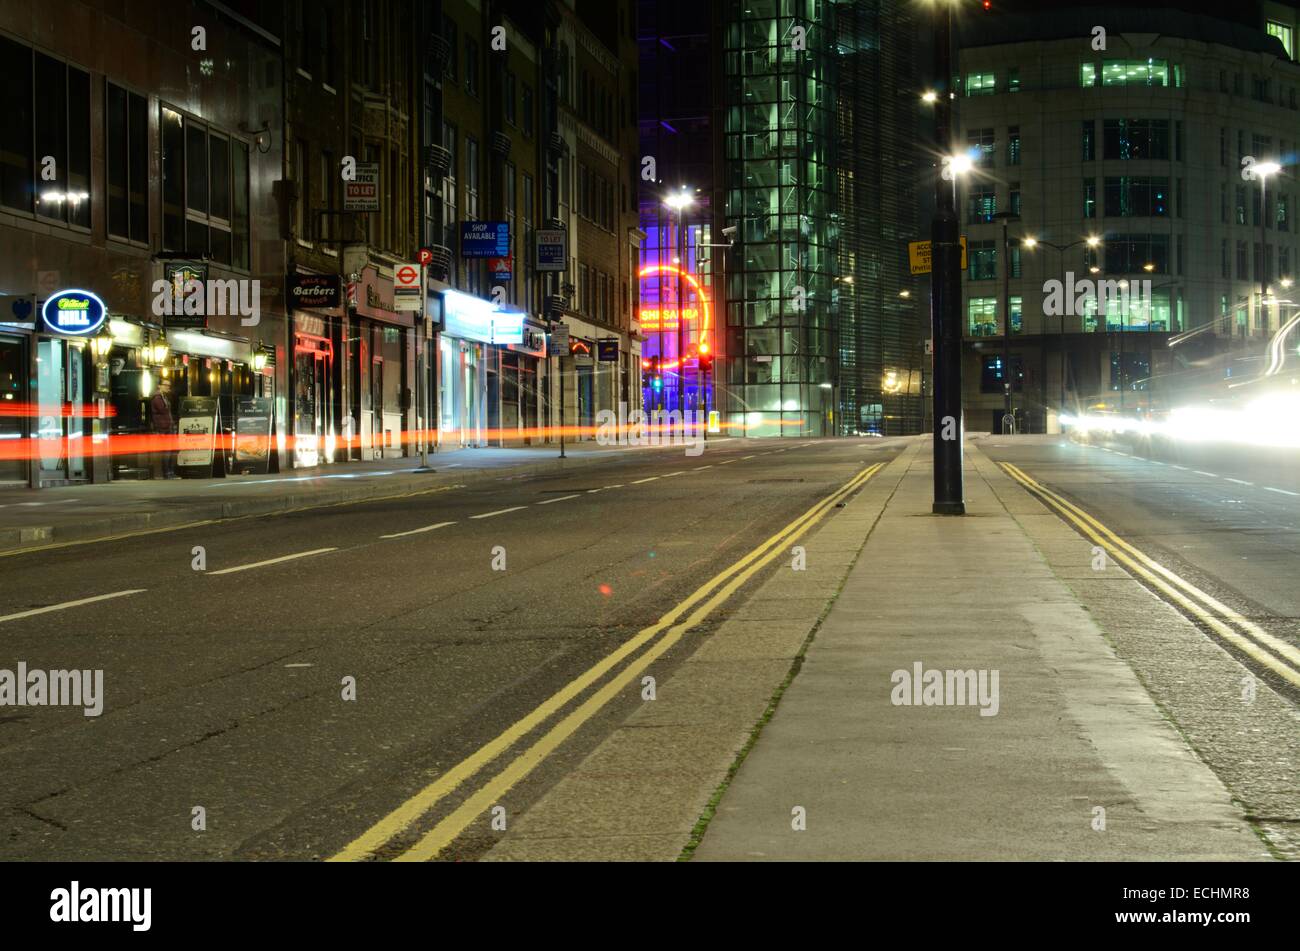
[{"x": 14, "y": 409}]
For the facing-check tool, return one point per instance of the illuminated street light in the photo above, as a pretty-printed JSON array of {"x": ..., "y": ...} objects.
[
  {"x": 930, "y": 97},
  {"x": 1029, "y": 242},
  {"x": 960, "y": 164}
]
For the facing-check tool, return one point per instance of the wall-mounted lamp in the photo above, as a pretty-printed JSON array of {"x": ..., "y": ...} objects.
[
  {"x": 102, "y": 344},
  {"x": 259, "y": 362}
]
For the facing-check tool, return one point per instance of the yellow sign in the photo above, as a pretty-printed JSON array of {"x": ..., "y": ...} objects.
[{"x": 918, "y": 255}]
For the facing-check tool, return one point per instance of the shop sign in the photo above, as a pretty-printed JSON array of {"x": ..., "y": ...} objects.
[
  {"x": 607, "y": 350},
  {"x": 473, "y": 318},
  {"x": 580, "y": 350},
  {"x": 559, "y": 341},
  {"x": 252, "y": 435},
  {"x": 407, "y": 293},
  {"x": 198, "y": 436},
  {"x": 179, "y": 275},
  {"x": 314, "y": 290},
  {"x": 534, "y": 344},
  {"x": 551, "y": 249},
  {"x": 501, "y": 269},
  {"x": 18, "y": 312},
  {"x": 362, "y": 192},
  {"x": 484, "y": 239},
  {"x": 74, "y": 312}
]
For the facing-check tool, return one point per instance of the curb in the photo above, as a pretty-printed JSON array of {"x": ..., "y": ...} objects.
[{"x": 38, "y": 537}]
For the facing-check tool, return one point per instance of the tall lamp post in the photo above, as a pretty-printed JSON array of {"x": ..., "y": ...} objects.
[
  {"x": 1260, "y": 171},
  {"x": 679, "y": 202},
  {"x": 1092, "y": 241},
  {"x": 1008, "y": 412},
  {"x": 945, "y": 286}
]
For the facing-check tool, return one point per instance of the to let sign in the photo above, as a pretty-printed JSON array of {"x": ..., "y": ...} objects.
[
  {"x": 918, "y": 255},
  {"x": 362, "y": 193},
  {"x": 551, "y": 250}
]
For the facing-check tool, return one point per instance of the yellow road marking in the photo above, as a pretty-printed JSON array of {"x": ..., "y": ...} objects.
[
  {"x": 1252, "y": 640},
  {"x": 408, "y": 812},
  {"x": 446, "y": 831}
]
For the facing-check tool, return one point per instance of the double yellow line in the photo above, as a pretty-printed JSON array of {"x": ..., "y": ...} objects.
[
  {"x": 661, "y": 635},
  {"x": 1242, "y": 633}
]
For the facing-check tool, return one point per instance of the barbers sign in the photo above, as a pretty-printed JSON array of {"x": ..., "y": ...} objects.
[{"x": 314, "y": 290}]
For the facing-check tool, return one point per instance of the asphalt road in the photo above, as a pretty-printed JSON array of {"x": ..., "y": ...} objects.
[
  {"x": 1226, "y": 519},
  {"x": 224, "y": 689}
]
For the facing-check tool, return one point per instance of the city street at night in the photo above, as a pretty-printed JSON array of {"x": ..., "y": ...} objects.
[{"x": 727, "y": 440}]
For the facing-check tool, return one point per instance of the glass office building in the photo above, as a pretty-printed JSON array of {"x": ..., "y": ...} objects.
[{"x": 781, "y": 309}]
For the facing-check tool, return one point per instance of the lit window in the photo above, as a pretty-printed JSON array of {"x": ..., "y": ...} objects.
[
  {"x": 1283, "y": 33},
  {"x": 979, "y": 84}
]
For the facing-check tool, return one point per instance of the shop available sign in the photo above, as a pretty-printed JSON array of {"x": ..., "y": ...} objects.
[
  {"x": 74, "y": 311},
  {"x": 484, "y": 239}
]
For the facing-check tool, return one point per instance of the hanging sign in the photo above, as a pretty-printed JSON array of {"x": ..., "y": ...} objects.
[{"x": 74, "y": 312}]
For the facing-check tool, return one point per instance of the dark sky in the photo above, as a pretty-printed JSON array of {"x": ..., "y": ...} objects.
[{"x": 1242, "y": 11}]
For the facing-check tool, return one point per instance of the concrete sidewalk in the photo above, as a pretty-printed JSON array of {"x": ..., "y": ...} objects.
[
  {"x": 36, "y": 519},
  {"x": 1075, "y": 739}
]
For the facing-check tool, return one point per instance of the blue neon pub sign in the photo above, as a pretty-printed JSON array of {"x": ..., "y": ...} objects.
[{"x": 74, "y": 312}]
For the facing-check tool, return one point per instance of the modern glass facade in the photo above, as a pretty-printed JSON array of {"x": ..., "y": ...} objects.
[{"x": 781, "y": 301}]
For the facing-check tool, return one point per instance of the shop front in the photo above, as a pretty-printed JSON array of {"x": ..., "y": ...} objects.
[
  {"x": 319, "y": 435},
  {"x": 520, "y": 382},
  {"x": 378, "y": 373},
  {"x": 473, "y": 335}
]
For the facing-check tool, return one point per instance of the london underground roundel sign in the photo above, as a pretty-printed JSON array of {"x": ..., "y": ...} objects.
[{"x": 74, "y": 312}]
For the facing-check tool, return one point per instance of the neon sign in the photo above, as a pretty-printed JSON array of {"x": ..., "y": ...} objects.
[
  {"x": 653, "y": 320},
  {"x": 74, "y": 311}
]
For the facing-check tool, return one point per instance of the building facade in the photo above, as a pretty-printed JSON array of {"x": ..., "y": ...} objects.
[
  {"x": 139, "y": 163},
  {"x": 1125, "y": 166}
]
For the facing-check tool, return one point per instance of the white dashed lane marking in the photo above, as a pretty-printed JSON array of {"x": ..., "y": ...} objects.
[
  {"x": 272, "y": 561},
  {"x": 514, "y": 508},
  {"x": 417, "y": 531},
  {"x": 69, "y": 604}
]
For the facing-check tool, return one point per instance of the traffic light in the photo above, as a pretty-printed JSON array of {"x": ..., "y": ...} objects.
[{"x": 706, "y": 360}]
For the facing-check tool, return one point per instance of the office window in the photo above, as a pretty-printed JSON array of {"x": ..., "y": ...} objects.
[
  {"x": 1223, "y": 203},
  {"x": 471, "y": 178},
  {"x": 1090, "y": 198},
  {"x": 449, "y": 214},
  {"x": 1283, "y": 33},
  {"x": 1223, "y": 146},
  {"x": 982, "y": 203},
  {"x": 1013, "y": 145},
  {"x": 986, "y": 142},
  {"x": 1284, "y": 263},
  {"x": 205, "y": 190},
  {"x": 1013, "y": 79},
  {"x": 449, "y": 33},
  {"x": 1242, "y": 264},
  {"x": 508, "y": 94},
  {"x": 1137, "y": 197},
  {"x": 991, "y": 380},
  {"x": 1240, "y": 215},
  {"x": 1283, "y": 213},
  {"x": 126, "y": 163},
  {"x": 1135, "y": 72},
  {"x": 528, "y": 107},
  {"x": 983, "y": 260},
  {"x": 1131, "y": 253},
  {"x": 1136, "y": 139},
  {"x": 1013, "y": 198},
  {"x": 1225, "y": 263},
  {"x": 982, "y": 317},
  {"x": 47, "y": 101},
  {"x": 1088, "y": 75},
  {"x": 528, "y": 210},
  {"x": 471, "y": 66},
  {"x": 979, "y": 84},
  {"x": 1089, "y": 137}
]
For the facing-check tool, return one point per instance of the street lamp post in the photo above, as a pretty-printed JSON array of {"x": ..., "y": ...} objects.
[
  {"x": 945, "y": 289},
  {"x": 680, "y": 202},
  {"x": 1008, "y": 413},
  {"x": 1261, "y": 171}
]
